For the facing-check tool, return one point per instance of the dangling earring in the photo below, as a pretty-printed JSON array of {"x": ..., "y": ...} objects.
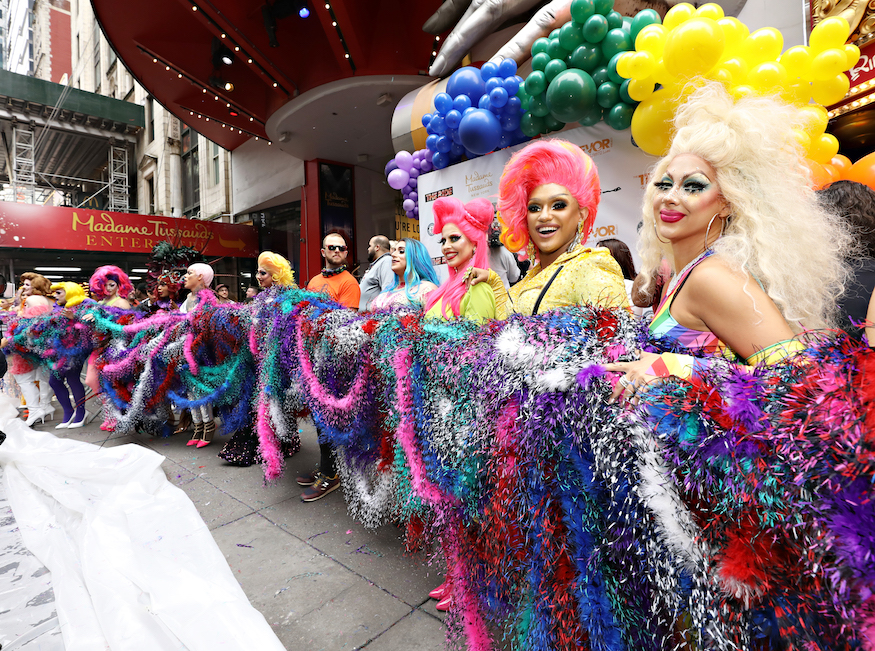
[
  {"x": 708, "y": 230},
  {"x": 530, "y": 252},
  {"x": 656, "y": 232},
  {"x": 578, "y": 239}
]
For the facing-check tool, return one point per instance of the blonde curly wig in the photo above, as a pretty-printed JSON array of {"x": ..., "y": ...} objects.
[
  {"x": 777, "y": 231},
  {"x": 278, "y": 268}
]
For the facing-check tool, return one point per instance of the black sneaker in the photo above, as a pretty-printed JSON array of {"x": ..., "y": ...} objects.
[
  {"x": 308, "y": 480},
  {"x": 320, "y": 488}
]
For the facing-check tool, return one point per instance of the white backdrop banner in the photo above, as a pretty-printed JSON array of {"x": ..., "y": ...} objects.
[{"x": 623, "y": 171}]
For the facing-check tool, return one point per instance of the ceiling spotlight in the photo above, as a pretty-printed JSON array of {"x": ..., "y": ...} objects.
[
  {"x": 221, "y": 54},
  {"x": 228, "y": 86},
  {"x": 221, "y": 84},
  {"x": 303, "y": 9}
]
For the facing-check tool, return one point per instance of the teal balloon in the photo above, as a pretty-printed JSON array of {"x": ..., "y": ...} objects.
[
  {"x": 554, "y": 68},
  {"x": 570, "y": 36},
  {"x": 607, "y": 95},
  {"x": 540, "y": 45},
  {"x": 642, "y": 19},
  {"x": 620, "y": 116},
  {"x": 581, "y": 10},
  {"x": 586, "y": 57},
  {"x": 553, "y": 124},
  {"x": 613, "y": 75},
  {"x": 595, "y": 28},
  {"x": 540, "y": 61},
  {"x": 538, "y": 106},
  {"x": 555, "y": 50},
  {"x": 600, "y": 76},
  {"x": 532, "y": 125},
  {"x": 615, "y": 20},
  {"x": 570, "y": 95},
  {"x": 624, "y": 92},
  {"x": 603, "y": 7},
  {"x": 592, "y": 117},
  {"x": 554, "y": 34},
  {"x": 616, "y": 41},
  {"x": 536, "y": 83}
]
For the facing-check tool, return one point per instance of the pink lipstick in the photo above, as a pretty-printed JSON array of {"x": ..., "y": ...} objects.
[{"x": 670, "y": 216}]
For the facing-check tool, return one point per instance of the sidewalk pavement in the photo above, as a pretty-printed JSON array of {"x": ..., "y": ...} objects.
[{"x": 322, "y": 581}]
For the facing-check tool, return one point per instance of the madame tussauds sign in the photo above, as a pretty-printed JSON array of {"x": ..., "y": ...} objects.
[{"x": 75, "y": 229}]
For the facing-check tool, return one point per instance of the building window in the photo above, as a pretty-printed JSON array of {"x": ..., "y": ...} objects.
[
  {"x": 150, "y": 189},
  {"x": 97, "y": 74},
  {"x": 150, "y": 126},
  {"x": 191, "y": 177},
  {"x": 215, "y": 166}
]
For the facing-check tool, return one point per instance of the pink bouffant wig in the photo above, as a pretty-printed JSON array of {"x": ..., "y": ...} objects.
[
  {"x": 97, "y": 284},
  {"x": 540, "y": 163},
  {"x": 473, "y": 219}
]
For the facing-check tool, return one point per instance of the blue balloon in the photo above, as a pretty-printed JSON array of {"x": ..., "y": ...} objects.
[
  {"x": 468, "y": 110},
  {"x": 492, "y": 84},
  {"x": 431, "y": 142},
  {"x": 428, "y": 129},
  {"x": 480, "y": 131},
  {"x": 452, "y": 118},
  {"x": 511, "y": 85},
  {"x": 484, "y": 103},
  {"x": 504, "y": 141},
  {"x": 507, "y": 67},
  {"x": 514, "y": 106},
  {"x": 391, "y": 165},
  {"x": 498, "y": 110},
  {"x": 440, "y": 160},
  {"x": 498, "y": 97},
  {"x": 443, "y": 103},
  {"x": 471, "y": 155},
  {"x": 454, "y": 135},
  {"x": 438, "y": 124},
  {"x": 510, "y": 122},
  {"x": 444, "y": 144},
  {"x": 426, "y": 119},
  {"x": 461, "y": 103},
  {"x": 466, "y": 81},
  {"x": 457, "y": 151},
  {"x": 488, "y": 70}
]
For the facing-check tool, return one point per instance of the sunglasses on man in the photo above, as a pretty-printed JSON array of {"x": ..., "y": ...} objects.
[{"x": 336, "y": 247}]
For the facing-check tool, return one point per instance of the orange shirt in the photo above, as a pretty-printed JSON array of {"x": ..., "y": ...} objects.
[{"x": 342, "y": 288}]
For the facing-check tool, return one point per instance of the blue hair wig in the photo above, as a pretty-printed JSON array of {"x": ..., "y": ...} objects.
[{"x": 419, "y": 268}]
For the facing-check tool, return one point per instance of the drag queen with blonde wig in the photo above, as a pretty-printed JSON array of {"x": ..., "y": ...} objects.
[
  {"x": 757, "y": 259},
  {"x": 274, "y": 269}
]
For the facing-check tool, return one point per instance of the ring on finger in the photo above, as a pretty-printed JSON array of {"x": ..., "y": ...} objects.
[{"x": 624, "y": 381}]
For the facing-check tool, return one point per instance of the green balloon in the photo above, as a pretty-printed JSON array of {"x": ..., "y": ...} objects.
[
  {"x": 642, "y": 19},
  {"x": 581, "y": 10},
  {"x": 613, "y": 75},
  {"x": 554, "y": 34},
  {"x": 536, "y": 83},
  {"x": 620, "y": 116},
  {"x": 586, "y": 57},
  {"x": 570, "y": 95},
  {"x": 540, "y": 45},
  {"x": 570, "y": 36},
  {"x": 595, "y": 28},
  {"x": 555, "y": 50},
  {"x": 592, "y": 117},
  {"x": 600, "y": 76},
  {"x": 616, "y": 41},
  {"x": 552, "y": 123},
  {"x": 538, "y": 106},
  {"x": 532, "y": 125},
  {"x": 603, "y": 7},
  {"x": 540, "y": 61},
  {"x": 624, "y": 92},
  {"x": 607, "y": 95},
  {"x": 615, "y": 20},
  {"x": 554, "y": 68}
]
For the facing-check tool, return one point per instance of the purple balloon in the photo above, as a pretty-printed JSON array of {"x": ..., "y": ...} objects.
[
  {"x": 412, "y": 183},
  {"x": 398, "y": 178},
  {"x": 413, "y": 196},
  {"x": 406, "y": 190},
  {"x": 409, "y": 214},
  {"x": 415, "y": 171},
  {"x": 409, "y": 205},
  {"x": 426, "y": 166},
  {"x": 391, "y": 165},
  {"x": 404, "y": 160},
  {"x": 416, "y": 211},
  {"x": 429, "y": 154}
]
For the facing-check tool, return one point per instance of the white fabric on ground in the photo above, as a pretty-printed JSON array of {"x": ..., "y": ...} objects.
[{"x": 133, "y": 565}]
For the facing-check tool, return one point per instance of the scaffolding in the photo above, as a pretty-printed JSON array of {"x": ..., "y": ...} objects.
[
  {"x": 23, "y": 176},
  {"x": 118, "y": 178}
]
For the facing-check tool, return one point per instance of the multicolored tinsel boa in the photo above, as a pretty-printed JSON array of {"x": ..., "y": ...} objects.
[{"x": 731, "y": 511}]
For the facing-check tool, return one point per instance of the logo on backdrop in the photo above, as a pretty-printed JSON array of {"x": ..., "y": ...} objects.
[
  {"x": 478, "y": 183},
  {"x": 437, "y": 194},
  {"x": 597, "y": 147}
]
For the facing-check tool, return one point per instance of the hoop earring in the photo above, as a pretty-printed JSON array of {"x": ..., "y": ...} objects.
[
  {"x": 656, "y": 232},
  {"x": 708, "y": 230}
]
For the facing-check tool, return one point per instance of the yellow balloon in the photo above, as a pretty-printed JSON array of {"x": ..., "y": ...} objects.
[
  {"x": 641, "y": 65},
  {"x": 768, "y": 77},
  {"x": 763, "y": 45},
  {"x": 710, "y": 10},
  {"x": 815, "y": 118},
  {"x": 722, "y": 75},
  {"x": 641, "y": 89},
  {"x": 797, "y": 91},
  {"x": 651, "y": 122},
  {"x": 662, "y": 76},
  {"x": 797, "y": 61},
  {"x": 741, "y": 91},
  {"x": 652, "y": 39},
  {"x": 624, "y": 63},
  {"x": 852, "y": 53},
  {"x": 802, "y": 139},
  {"x": 828, "y": 64},
  {"x": 737, "y": 67},
  {"x": 829, "y": 33},
  {"x": 830, "y": 91},
  {"x": 734, "y": 33},
  {"x": 823, "y": 148},
  {"x": 693, "y": 48},
  {"x": 678, "y": 14}
]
